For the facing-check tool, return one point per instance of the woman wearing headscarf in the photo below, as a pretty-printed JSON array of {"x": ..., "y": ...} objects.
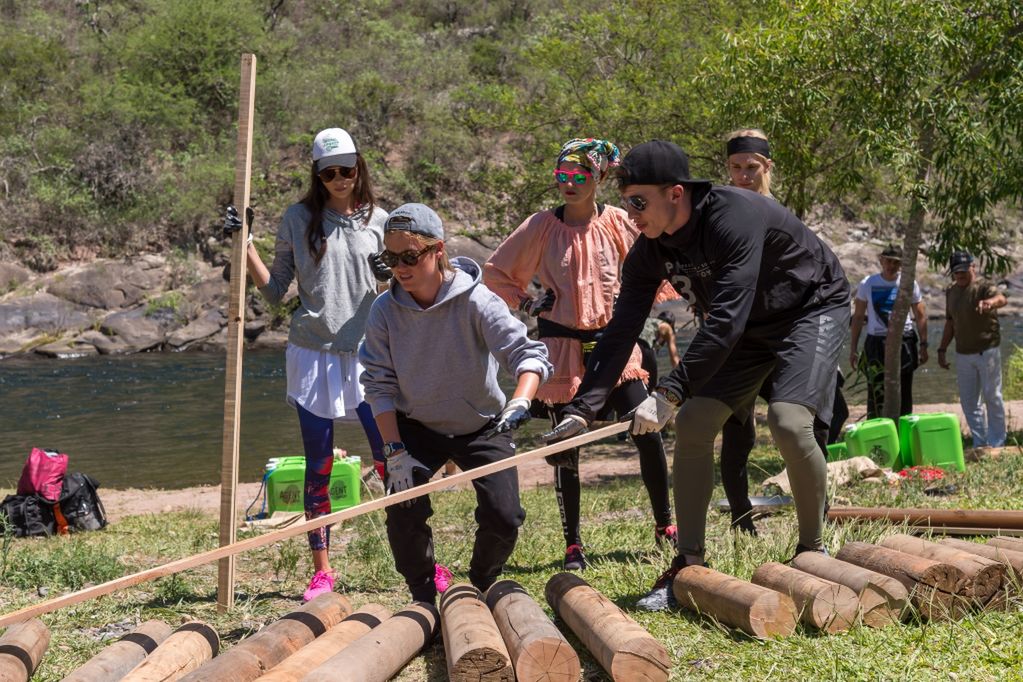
[{"x": 576, "y": 251}]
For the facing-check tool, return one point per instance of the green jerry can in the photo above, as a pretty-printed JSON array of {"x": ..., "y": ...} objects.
[
  {"x": 906, "y": 424},
  {"x": 937, "y": 442},
  {"x": 285, "y": 483},
  {"x": 837, "y": 451},
  {"x": 874, "y": 438}
]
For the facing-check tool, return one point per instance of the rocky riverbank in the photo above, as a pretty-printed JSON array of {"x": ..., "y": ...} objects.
[{"x": 175, "y": 303}]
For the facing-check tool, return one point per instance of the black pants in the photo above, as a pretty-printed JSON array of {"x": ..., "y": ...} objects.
[
  {"x": 873, "y": 352},
  {"x": 653, "y": 467},
  {"x": 649, "y": 362},
  {"x": 498, "y": 511}
]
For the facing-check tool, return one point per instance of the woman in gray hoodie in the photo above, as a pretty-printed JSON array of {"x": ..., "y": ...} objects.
[{"x": 433, "y": 345}]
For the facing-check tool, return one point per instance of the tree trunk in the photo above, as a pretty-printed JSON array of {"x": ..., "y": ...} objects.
[{"x": 915, "y": 228}]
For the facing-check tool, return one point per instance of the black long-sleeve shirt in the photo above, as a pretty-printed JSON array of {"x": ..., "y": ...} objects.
[{"x": 745, "y": 259}]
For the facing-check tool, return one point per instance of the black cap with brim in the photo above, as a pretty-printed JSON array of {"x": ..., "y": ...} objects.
[
  {"x": 343, "y": 160},
  {"x": 657, "y": 162},
  {"x": 960, "y": 261}
]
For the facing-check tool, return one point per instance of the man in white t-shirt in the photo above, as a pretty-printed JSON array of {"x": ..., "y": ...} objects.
[{"x": 874, "y": 301}]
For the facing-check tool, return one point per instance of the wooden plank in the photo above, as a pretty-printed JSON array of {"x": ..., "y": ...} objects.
[
  {"x": 188, "y": 562},
  {"x": 235, "y": 336},
  {"x": 956, "y": 518}
]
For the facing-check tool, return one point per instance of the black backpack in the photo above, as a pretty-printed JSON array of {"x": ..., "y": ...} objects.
[
  {"x": 27, "y": 516},
  {"x": 80, "y": 504}
]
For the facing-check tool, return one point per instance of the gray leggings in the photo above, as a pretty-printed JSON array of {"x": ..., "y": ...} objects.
[{"x": 698, "y": 424}]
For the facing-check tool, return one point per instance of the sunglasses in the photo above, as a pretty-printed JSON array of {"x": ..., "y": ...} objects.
[
  {"x": 328, "y": 174},
  {"x": 638, "y": 203},
  {"x": 578, "y": 177},
  {"x": 409, "y": 258}
]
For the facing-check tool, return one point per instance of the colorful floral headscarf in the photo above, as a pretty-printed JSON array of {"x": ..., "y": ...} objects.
[{"x": 597, "y": 155}]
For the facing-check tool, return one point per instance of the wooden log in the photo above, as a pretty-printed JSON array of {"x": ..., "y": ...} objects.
[
  {"x": 186, "y": 649},
  {"x": 821, "y": 603},
  {"x": 473, "y": 645},
  {"x": 382, "y": 652},
  {"x": 621, "y": 645},
  {"x": 758, "y": 611},
  {"x": 960, "y": 518},
  {"x": 254, "y": 656},
  {"x": 982, "y": 577},
  {"x": 21, "y": 648},
  {"x": 882, "y": 599},
  {"x": 538, "y": 650},
  {"x": 931, "y": 584},
  {"x": 118, "y": 659},
  {"x": 312, "y": 655},
  {"x": 257, "y": 541},
  {"x": 1015, "y": 544},
  {"x": 1012, "y": 559}
]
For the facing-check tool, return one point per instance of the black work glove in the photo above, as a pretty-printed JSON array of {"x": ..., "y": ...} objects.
[
  {"x": 541, "y": 304},
  {"x": 570, "y": 425},
  {"x": 380, "y": 271},
  {"x": 514, "y": 415},
  {"x": 233, "y": 222}
]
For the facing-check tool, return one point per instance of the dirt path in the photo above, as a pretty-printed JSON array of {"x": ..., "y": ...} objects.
[{"x": 601, "y": 462}]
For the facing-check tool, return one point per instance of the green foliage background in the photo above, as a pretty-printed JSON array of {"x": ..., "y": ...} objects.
[{"x": 117, "y": 116}]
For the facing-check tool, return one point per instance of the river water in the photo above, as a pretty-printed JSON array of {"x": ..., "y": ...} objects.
[{"x": 156, "y": 419}]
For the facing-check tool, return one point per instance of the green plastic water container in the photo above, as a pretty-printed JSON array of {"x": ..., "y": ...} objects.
[
  {"x": 907, "y": 423},
  {"x": 874, "y": 438},
  {"x": 837, "y": 451},
  {"x": 285, "y": 483},
  {"x": 937, "y": 441}
]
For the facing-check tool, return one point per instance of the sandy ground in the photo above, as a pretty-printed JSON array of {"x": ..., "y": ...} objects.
[{"x": 600, "y": 462}]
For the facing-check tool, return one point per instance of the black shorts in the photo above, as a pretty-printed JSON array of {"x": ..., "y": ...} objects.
[{"x": 792, "y": 362}]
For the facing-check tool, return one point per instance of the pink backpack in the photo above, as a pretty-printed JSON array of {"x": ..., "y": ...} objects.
[{"x": 43, "y": 474}]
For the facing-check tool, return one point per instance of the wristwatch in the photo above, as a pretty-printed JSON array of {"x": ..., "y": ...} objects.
[
  {"x": 670, "y": 396},
  {"x": 393, "y": 447}
]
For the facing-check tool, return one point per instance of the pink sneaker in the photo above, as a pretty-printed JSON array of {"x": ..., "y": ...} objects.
[
  {"x": 441, "y": 578},
  {"x": 321, "y": 583}
]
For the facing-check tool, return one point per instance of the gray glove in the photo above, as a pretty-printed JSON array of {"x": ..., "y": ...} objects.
[
  {"x": 380, "y": 271},
  {"x": 403, "y": 472},
  {"x": 541, "y": 304},
  {"x": 570, "y": 425},
  {"x": 514, "y": 415},
  {"x": 233, "y": 222}
]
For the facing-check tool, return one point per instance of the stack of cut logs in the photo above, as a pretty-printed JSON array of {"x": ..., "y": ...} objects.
[{"x": 505, "y": 634}]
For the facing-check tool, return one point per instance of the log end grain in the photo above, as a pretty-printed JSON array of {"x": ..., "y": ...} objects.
[
  {"x": 548, "y": 660},
  {"x": 482, "y": 665}
]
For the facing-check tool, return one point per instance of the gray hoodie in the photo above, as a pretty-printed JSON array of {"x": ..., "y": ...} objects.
[{"x": 438, "y": 365}]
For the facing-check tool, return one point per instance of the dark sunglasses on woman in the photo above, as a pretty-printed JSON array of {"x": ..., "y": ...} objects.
[
  {"x": 409, "y": 258},
  {"x": 328, "y": 174}
]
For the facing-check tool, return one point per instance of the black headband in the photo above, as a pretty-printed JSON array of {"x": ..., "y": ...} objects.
[{"x": 756, "y": 145}]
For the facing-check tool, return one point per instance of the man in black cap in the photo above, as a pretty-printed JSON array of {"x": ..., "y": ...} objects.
[
  {"x": 971, "y": 318},
  {"x": 776, "y": 311},
  {"x": 872, "y": 305}
]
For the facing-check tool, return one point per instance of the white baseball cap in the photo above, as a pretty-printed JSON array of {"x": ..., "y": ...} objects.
[{"x": 333, "y": 147}]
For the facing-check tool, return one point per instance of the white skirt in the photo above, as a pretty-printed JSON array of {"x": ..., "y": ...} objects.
[{"x": 326, "y": 384}]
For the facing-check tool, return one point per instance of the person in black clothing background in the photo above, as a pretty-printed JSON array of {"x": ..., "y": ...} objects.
[{"x": 776, "y": 304}]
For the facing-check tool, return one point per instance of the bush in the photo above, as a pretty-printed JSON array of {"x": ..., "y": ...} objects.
[{"x": 1012, "y": 382}]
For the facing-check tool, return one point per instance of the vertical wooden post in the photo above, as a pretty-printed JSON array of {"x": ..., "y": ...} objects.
[{"x": 235, "y": 329}]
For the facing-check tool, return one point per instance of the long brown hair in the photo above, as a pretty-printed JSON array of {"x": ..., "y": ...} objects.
[{"x": 316, "y": 197}]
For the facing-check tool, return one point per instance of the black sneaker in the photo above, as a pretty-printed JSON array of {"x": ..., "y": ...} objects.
[
  {"x": 803, "y": 548},
  {"x": 575, "y": 560},
  {"x": 661, "y": 597},
  {"x": 744, "y": 524}
]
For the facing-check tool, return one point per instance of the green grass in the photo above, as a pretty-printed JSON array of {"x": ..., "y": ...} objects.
[{"x": 618, "y": 533}]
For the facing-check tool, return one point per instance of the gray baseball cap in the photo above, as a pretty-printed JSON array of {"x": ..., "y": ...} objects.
[{"x": 415, "y": 218}]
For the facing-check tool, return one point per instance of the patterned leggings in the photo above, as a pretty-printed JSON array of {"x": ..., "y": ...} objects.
[{"x": 318, "y": 442}]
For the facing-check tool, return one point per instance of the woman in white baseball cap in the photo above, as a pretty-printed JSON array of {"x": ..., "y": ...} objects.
[{"x": 326, "y": 242}]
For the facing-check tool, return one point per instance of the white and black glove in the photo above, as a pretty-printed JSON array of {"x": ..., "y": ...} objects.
[
  {"x": 653, "y": 413},
  {"x": 570, "y": 425},
  {"x": 403, "y": 472},
  {"x": 514, "y": 415},
  {"x": 233, "y": 222},
  {"x": 541, "y": 304},
  {"x": 380, "y": 271}
]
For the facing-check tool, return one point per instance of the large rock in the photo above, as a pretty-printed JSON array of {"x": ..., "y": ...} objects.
[
  {"x": 207, "y": 324},
  {"x": 110, "y": 284},
  {"x": 137, "y": 329},
  {"x": 41, "y": 312},
  {"x": 465, "y": 246},
  {"x": 106, "y": 345},
  {"x": 66, "y": 349},
  {"x": 12, "y": 276}
]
